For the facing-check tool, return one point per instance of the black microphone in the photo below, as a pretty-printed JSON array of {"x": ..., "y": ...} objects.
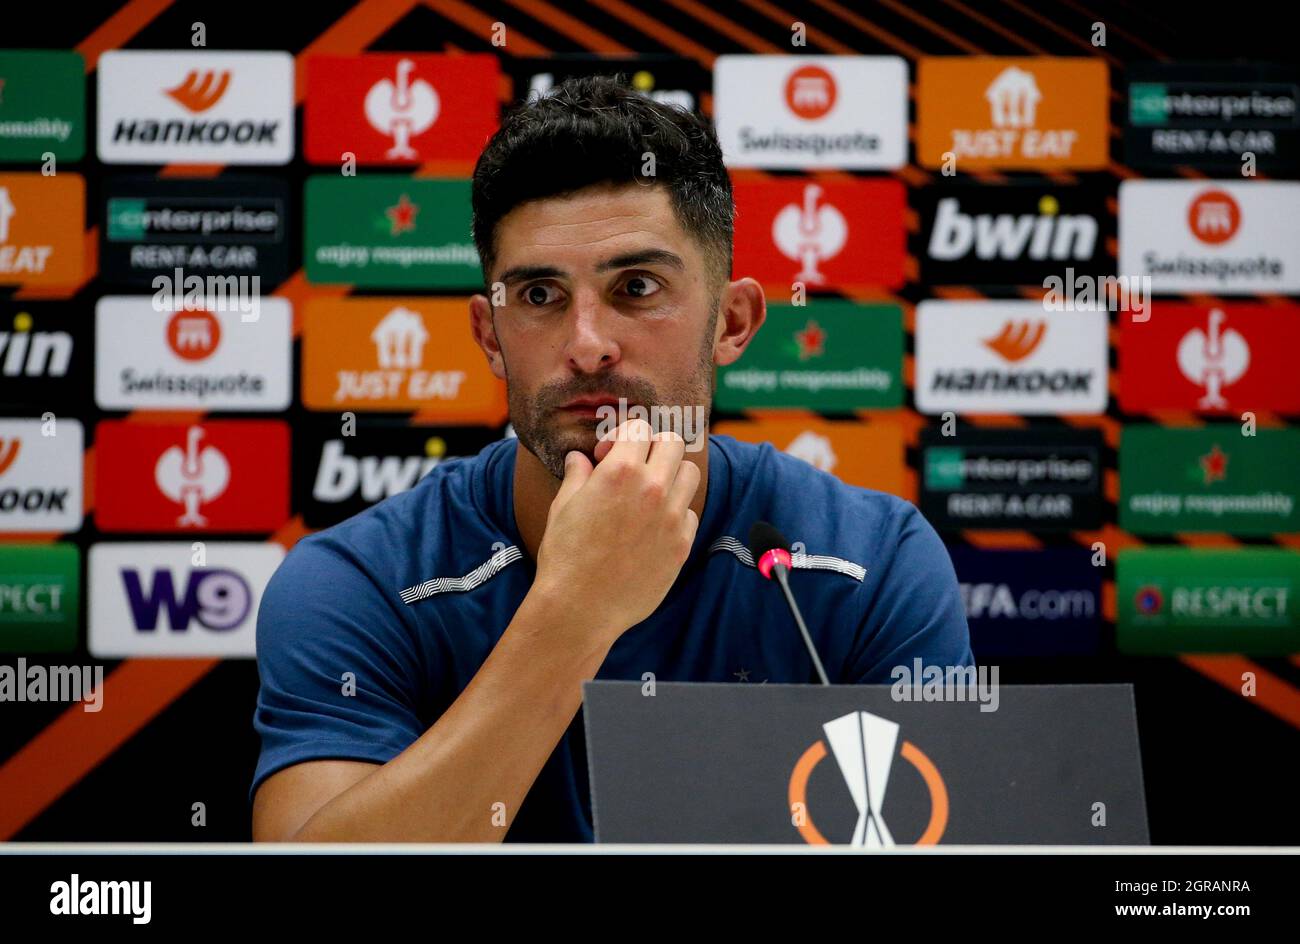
[{"x": 771, "y": 552}]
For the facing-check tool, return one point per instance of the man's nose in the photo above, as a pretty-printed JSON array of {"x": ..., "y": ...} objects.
[{"x": 590, "y": 345}]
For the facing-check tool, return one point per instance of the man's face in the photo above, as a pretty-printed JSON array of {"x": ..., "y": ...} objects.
[{"x": 606, "y": 296}]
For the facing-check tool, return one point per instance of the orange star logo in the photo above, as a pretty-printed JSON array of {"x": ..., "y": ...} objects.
[
  {"x": 402, "y": 216},
  {"x": 1215, "y": 465},
  {"x": 811, "y": 341}
]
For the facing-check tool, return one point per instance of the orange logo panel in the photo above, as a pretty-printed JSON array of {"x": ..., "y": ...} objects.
[
  {"x": 1036, "y": 113},
  {"x": 398, "y": 354},
  {"x": 868, "y": 455},
  {"x": 42, "y": 225}
]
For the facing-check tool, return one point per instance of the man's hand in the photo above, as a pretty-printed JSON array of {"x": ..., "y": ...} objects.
[{"x": 617, "y": 534}]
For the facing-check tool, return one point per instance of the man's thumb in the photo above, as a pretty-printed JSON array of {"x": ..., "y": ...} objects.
[{"x": 577, "y": 469}]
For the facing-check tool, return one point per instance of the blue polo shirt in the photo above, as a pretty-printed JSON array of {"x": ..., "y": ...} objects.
[{"x": 411, "y": 595}]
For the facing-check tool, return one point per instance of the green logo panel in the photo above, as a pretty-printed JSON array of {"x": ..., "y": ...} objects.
[
  {"x": 1188, "y": 600},
  {"x": 42, "y": 105},
  {"x": 1146, "y": 103},
  {"x": 1209, "y": 479},
  {"x": 389, "y": 232},
  {"x": 830, "y": 356},
  {"x": 943, "y": 468},
  {"x": 40, "y": 594}
]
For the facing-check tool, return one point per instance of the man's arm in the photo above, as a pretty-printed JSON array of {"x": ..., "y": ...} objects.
[
  {"x": 616, "y": 538},
  {"x": 487, "y": 748}
]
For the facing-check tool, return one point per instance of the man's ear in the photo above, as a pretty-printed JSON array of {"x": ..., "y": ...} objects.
[
  {"x": 742, "y": 311},
  {"x": 485, "y": 335}
]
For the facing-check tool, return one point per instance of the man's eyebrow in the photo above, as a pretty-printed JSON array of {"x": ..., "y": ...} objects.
[
  {"x": 627, "y": 260},
  {"x": 642, "y": 257},
  {"x": 522, "y": 272}
]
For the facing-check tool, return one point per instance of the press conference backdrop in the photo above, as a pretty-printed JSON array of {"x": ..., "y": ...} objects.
[{"x": 1116, "y": 487}]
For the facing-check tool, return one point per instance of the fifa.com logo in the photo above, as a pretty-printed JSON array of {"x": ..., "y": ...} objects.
[{"x": 686, "y": 421}]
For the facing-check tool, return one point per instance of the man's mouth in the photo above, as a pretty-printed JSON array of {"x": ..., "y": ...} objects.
[{"x": 587, "y": 406}]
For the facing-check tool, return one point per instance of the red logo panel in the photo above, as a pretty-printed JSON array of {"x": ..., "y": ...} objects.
[
  {"x": 1211, "y": 359},
  {"x": 827, "y": 235},
  {"x": 399, "y": 108},
  {"x": 213, "y": 476}
]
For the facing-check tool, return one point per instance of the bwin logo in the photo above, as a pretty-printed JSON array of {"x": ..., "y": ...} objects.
[
  {"x": 864, "y": 746},
  {"x": 1049, "y": 234}
]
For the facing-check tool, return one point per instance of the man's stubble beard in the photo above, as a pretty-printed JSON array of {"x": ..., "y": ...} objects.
[{"x": 537, "y": 424}]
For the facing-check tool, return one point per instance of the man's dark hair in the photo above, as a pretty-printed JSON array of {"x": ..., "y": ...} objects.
[{"x": 594, "y": 130}]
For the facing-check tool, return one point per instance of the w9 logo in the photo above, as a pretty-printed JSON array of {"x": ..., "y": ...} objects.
[{"x": 216, "y": 599}]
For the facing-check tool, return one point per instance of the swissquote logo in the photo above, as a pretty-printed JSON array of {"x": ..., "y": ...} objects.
[
  {"x": 865, "y": 748},
  {"x": 177, "y": 599},
  {"x": 1214, "y": 217},
  {"x": 1015, "y": 113},
  {"x": 1224, "y": 238},
  {"x": 205, "y": 359},
  {"x": 826, "y": 235},
  {"x": 399, "y": 109},
  {"x": 40, "y": 475},
  {"x": 810, "y": 92},
  {"x": 198, "y": 106},
  {"x": 1009, "y": 357},
  {"x": 811, "y": 111}
]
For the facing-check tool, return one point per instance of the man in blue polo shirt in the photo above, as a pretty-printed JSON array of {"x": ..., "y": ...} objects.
[{"x": 421, "y": 663}]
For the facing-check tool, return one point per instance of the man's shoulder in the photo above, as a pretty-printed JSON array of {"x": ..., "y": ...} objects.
[{"x": 407, "y": 536}]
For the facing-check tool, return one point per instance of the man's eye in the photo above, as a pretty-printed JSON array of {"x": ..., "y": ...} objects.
[
  {"x": 539, "y": 295},
  {"x": 639, "y": 286}
]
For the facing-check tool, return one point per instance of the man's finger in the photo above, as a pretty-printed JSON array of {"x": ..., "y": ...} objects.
[
  {"x": 684, "y": 487},
  {"x": 666, "y": 451},
  {"x": 631, "y": 441},
  {"x": 577, "y": 469}
]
